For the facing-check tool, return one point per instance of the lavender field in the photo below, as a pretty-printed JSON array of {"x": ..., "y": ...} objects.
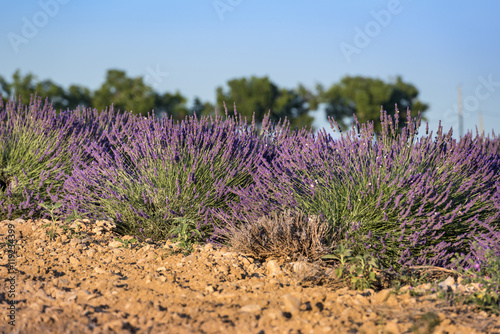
[{"x": 405, "y": 198}]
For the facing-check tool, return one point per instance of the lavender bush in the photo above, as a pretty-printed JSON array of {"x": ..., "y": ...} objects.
[
  {"x": 164, "y": 170},
  {"x": 39, "y": 148},
  {"x": 35, "y": 155},
  {"x": 409, "y": 200}
]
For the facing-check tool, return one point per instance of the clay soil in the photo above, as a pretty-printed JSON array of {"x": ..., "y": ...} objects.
[{"x": 84, "y": 281}]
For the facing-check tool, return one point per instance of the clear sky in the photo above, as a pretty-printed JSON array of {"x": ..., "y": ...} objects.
[{"x": 195, "y": 46}]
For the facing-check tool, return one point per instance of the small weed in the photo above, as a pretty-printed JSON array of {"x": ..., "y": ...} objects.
[
  {"x": 360, "y": 269},
  {"x": 51, "y": 208},
  {"x": 74, "y": 216},
  {"x": 186, "y": 234},
  {"x": 8, "y": 244},
  {"x": 426, "y": 323},
  {"x": 72, "y": 232},
  {"x": 341, "y": 254},
  {"x": 362, "y": 272},
  {"x": 51, "y": 233},
  {"x": 126, "y": 243},
  {"x": 487, "y": 276}
]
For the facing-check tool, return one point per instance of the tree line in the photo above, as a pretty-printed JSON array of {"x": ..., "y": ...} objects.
[{"x": 357, "y": 95}]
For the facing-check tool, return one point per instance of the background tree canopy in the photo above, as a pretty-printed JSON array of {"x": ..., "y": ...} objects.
[
  {"x": 357, "y": 95},
  {"x": 126, "y": 94},
  {"x": 364, "y": 97},
  {"x": 260, "y": 95}
]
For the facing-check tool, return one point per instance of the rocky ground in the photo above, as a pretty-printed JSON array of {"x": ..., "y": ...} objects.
[{"x": 84, "y": 281}]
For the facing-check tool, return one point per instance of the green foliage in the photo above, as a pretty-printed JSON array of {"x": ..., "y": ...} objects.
[
  {"x": 30, "y": 157},
  {"x": 26, "y": 86},
  {"x": 20, "y": 86},
  {"x": 4, "y": 88},
  {"x": 78, "y": 96},
  {"x": 259, "y": 95},
  {"x": 127, "y": 243},
  {"x": 365, "y": 96},
  {"x": 426, "y": 323},
  {"x": 185, "y": 233},
  {"x": 52, "y": 229},
  {"x": 171, "y": 105},
  {"x": 51, "y": 208},
  {"x": 360, "y": 269},
  {"x": 202, "y": 108},
  {"x": 125, "y": 94},
  {"x": 487, "y": 275},
  {"x": 360, "y": 95},
  {"x": 52, "y": 232}
]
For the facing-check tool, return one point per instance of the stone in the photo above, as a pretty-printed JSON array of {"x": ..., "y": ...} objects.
[
  {"x": 99, "y": 270},
  {"x": 392, "y": 327},
  {"x": 273, "y": 269},
  {"x": 369, "y": 327},
  {"x": 300, "y": 267},
  {"x": 382, "y": 295},
  {"x": 448, "y": 283},
  {"x": 251, "y": 308},
  {"x": 115, "y": 244},
  {"x": 291, "y": 303}
]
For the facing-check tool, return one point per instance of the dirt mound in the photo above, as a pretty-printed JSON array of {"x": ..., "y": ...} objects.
[{"x": 81, "y": 282}]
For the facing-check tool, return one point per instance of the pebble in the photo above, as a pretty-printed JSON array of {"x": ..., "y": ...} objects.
[
  {"x": 99, "y": 270},
  {"x": 300, "y": 267},
  {"x": 115, "y": 244},
  {"x": 90, "y": 253},
  {"x": 392, "y": 327},
  {"x": 252, "y": 308},
  {"x": 273, "y": 269},
  {"x": 382, "y": 295},
  {"x": 448, "y": 283},
  {"x": 291, "y": 303}
]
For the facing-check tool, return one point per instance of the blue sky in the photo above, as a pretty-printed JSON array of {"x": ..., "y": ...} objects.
[{"x": 195, "y": 46}]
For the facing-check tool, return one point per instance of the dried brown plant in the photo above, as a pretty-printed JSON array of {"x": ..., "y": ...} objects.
[{"x": 290, "y": 235}]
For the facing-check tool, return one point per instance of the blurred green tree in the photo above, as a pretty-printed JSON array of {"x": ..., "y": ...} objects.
[
  {"x": 260, "y": 95},
  {"x": 22, "y": 86},
  {"x": 168, "y": 104},
  {"x": 78, "y": 96},
  {"x": 4, "y": 89},
  {"x": 56, "y": 94},
  {"x": 27, "y": 85},
  {"x": 202, "y": 108},
  {"x": 364, "y": 96},
  {"x": 126, "y": 94}
]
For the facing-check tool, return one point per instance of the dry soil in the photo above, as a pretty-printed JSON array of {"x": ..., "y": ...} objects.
[{"x": 84, "y": 281}]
